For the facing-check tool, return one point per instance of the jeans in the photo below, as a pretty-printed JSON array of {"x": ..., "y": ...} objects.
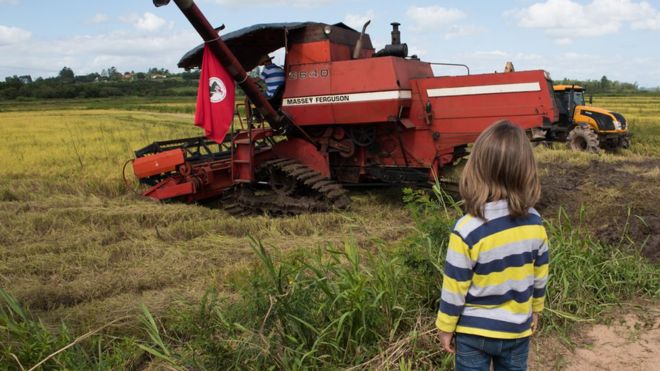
[{"x": 476, "y": 353}]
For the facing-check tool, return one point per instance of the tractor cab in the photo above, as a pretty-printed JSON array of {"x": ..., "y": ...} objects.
[{"x": 568, "y": 97}]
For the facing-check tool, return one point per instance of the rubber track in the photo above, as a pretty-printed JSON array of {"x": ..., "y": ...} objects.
[
  {"x": 331, "y": 191},
  {"x": 332, "y": 195}
]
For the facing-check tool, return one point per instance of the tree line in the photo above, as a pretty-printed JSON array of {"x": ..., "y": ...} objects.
[
  {"x": 109, "y": 83},
  {"x": 603, "y": 86},
  {"x": 158, "y": 82}
]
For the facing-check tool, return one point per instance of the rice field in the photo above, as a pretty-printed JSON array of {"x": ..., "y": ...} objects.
[{"x": 79, "y": 246}]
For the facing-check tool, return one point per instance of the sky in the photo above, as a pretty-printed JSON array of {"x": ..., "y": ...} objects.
[{"x": 581, "y": 39}]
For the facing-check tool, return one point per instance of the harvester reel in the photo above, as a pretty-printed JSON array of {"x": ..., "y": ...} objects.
[{"x": 582, "y": 138}]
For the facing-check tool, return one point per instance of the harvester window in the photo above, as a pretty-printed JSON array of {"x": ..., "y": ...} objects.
[{"x": 578, "y": 98}]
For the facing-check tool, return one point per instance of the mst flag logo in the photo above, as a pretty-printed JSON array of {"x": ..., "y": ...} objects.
[
  {"x": 217, "y": 90},
  {"x": 215, "y": 98}
]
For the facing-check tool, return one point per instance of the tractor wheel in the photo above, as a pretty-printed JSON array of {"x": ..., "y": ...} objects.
[
  {"x": 625, "y": 142},
  {"x": 583, "y": 139}
]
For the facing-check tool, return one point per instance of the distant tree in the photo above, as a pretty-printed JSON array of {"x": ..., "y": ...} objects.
[
  {"x": 66, "y": 75},
  {"x": 113, "y": 74},
  {"x": 604, "y": 83},
  {"x": 190, "y": 75}
]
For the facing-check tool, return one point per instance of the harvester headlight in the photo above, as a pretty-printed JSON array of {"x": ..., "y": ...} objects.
[
  {"x": 327, "y": 29},
  {"x": 547, "y": 75},
  {"x": 617, "y": 125}
]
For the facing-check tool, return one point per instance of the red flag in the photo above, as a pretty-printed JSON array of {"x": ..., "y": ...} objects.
[{"x": 215, "y": 98}]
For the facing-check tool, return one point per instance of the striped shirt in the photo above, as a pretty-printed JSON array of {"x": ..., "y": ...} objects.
[
  {"x": 495, "y": 274},
  {"x": 273, "y": 76}
]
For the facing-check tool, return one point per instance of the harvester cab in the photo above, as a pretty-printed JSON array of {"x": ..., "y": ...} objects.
[
  {"x": 350, "y": 115},
  {"x": 587, "y": 128}
]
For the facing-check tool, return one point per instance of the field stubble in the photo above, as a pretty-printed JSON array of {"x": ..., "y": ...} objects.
[{"x": 76, "y": 245}]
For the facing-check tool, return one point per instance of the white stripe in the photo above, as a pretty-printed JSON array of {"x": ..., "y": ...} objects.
[
  {"x": 512, "y": 248},
  {"x": 502, "y": 288},
  {"x": 452, "y": 298},
  {"x": 484, "y": 89},
  {"x": 499, "y": 314},
  {"x": 347, "y": 98}
]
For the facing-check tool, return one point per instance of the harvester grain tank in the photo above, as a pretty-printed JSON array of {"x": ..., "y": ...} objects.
[{"x": 349, "y": 115}]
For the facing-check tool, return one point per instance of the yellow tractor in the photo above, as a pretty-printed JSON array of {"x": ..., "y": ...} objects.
[{"x": 586, "y": 128}]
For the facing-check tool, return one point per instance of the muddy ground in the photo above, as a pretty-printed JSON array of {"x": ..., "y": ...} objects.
[{"x": 616, "y": 201}]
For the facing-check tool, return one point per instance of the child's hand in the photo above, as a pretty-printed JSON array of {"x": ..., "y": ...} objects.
[
  {"x": 445, "y": 339},
  {"x": 535, "y": 322}
]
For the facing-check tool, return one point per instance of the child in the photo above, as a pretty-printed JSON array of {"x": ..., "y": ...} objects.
[{"x": 497, "y": 259}]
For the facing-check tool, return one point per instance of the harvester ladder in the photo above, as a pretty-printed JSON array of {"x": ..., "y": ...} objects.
[{"x": 242, "y": 154}]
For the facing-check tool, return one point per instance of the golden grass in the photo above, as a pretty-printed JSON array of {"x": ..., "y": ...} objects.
[{"x": 75, "y": 243}]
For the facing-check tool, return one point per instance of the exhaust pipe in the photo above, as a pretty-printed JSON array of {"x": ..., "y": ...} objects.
[
  {"x": 228, "y": 60},
  {"x": 358, "y": 45}
]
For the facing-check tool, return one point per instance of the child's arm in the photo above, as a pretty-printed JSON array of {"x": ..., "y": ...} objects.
[
  {"x": 455, "y": 283},
  {"x": 541, "y": 265}
]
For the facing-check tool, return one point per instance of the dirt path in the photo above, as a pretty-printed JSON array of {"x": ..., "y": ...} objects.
[{"x": 629, "y": 342}]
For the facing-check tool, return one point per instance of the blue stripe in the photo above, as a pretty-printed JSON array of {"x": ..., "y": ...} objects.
[
  {"x": 520, "y": 297},
  {"x": 495, "y": 325},
  {"x": 539, "y": 293},
  {"x": 501, "y": 264},
  {"x": 459, "y": 274},
  {"x": 541, "y": 260},
  {"x": 499, "y": 225},
  {"x": 450, "y": 309}
]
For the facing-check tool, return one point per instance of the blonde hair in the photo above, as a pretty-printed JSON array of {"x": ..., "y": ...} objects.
[{"x": 501, "y": 167}]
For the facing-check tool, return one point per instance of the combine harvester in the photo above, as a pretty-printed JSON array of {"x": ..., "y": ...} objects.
[{"x": 350, "y": 115}]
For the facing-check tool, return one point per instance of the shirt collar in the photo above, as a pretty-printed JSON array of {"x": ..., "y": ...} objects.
[{"x": 497, "y": 205}]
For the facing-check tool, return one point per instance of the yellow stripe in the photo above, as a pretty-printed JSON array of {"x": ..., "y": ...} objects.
[
  {"x": 538, "y": 304},
  {"x": 456, "y": 287},
  {"x": 509, "y": 274},
  {"x": 541, "y": 272},
  {"x": 511, "y": 306},
  {"x": 495, "y": 240},
  {"x": 445, "y": 322},
  {"x": 492, "y": 334},
  {"x": 456, "y": 244}
]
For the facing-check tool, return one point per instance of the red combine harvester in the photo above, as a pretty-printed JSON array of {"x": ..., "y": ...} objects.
[{"x": 349, "y": 116}]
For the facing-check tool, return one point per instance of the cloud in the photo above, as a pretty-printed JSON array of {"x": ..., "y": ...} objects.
[
  {"x": 127, "y": 50},
  {"x": 456, "y": 31},
  {"x": 566, "y": 20},
  {"x": 13, "y": 35},
  {"x": 98, "y": 18},
  {"x": 147, "y": 22},
  {"x": 356, "y": 21},
  {"x": 296, "y": 3},
  {"x": 433, "y": 17}
]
